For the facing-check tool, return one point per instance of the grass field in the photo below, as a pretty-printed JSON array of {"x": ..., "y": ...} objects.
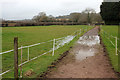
[
  {"x": 111, "y": 30},
  {"x": 32, "y": 35}
]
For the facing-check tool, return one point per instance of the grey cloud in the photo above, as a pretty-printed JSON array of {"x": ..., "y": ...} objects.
[{"x": 21, "y": 9}]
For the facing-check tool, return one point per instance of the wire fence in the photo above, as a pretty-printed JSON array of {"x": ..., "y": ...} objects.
[
  {"x": 34, "y": 51},
  {"x": 113, "y": 40}
]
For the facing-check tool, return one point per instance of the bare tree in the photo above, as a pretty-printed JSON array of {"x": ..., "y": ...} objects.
[
  {"x": 51, "y": 18},
  {"x": 98, "y": 18},
  {"x": 83, "y": 18},
  {"x": 89, "y": 12},
  {"x": 41, "y": 17},
  {"x": 75, "y": 17}
]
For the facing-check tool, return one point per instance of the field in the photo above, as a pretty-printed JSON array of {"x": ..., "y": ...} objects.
[
  {"x": 32, "y": 35},
  {"x": 106, "y": 37}
]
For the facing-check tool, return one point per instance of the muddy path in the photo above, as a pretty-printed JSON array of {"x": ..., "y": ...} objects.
[{"x": 86, "y": 59}]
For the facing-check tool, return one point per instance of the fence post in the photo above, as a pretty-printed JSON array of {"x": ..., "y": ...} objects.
[
  {"x": 83, "y": 30},
  {"x": 80, "y": 31},
  {"x": 116, "y": 45},
  {"x": 104, "y": 34},
  {"x": 16, "y": 57},
  {"x": 53, "y": 47},
  {"x": 77, "y": 34},
  {"x": 28, "y": 54},
  {"x": 21, "y": 64}
]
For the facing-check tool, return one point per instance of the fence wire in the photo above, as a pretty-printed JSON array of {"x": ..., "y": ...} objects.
[
  {"x": 109, "y": 36},
  {"x": 34, "y": 51}
]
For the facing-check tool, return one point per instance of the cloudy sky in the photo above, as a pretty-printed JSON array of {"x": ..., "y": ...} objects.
[{"x": 26, "y": 9}]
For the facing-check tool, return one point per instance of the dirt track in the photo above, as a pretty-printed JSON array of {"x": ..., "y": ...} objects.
[{"x": 85, "y": 60}]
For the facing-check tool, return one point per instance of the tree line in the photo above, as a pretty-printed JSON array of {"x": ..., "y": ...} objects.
[{"x": 87, "y": 16}]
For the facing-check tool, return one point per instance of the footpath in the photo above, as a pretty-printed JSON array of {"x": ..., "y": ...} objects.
[{"x": 86, "y": 59}]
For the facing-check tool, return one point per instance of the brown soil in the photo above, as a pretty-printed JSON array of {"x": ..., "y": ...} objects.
[{"x": 96, "y": 66}]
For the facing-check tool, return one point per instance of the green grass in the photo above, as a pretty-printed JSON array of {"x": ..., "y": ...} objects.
[
  {"x": 32, "y": 35},
  {"x": 111, "y": 30}
]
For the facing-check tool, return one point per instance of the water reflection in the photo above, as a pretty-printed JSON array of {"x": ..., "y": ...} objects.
[
  {"x": 89, "y": 40},
  {"x": 87, "y": 47}
]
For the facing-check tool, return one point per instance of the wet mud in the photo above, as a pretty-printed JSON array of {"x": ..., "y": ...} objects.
[{"x": 86, "y": 59}]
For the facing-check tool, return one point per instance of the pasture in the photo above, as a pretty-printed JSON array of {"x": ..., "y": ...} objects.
[
  {"x": 108, "y": 34},
  {"x": 32, "y": 35}
]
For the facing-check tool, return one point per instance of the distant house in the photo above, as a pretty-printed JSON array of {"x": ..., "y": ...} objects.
[
  {"x": 8, "y": 23},
  {"x": 111, "y": 0}
]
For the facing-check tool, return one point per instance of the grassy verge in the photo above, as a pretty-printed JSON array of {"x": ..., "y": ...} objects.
[
  {"x": 110, "y": 30},
  {"x": 32, "y": 35}
]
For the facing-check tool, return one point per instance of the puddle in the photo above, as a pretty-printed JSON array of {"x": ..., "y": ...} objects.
[
  {"x": 89, "y": 40},
  {"x": 64, "y": 41},
  {"x": 83, "y": 54},
  {"x": 87, "y": 47}
]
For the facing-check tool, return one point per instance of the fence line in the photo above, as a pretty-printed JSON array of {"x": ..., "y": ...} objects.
[
  {"x": 5, "y": 72},
  {"x": 110, "y": 35},
  {"x": 39, "y": 55},
  {"x": 29, "y": 60},
  {"x": 35, "y": 44},
  {"x": 115, "y": 45},
  {"x": 25, "y": 62},
  {"x": 30, "y": 46}
]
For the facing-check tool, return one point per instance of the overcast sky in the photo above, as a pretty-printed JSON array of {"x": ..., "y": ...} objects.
[{"x": 26, "y": 9}]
